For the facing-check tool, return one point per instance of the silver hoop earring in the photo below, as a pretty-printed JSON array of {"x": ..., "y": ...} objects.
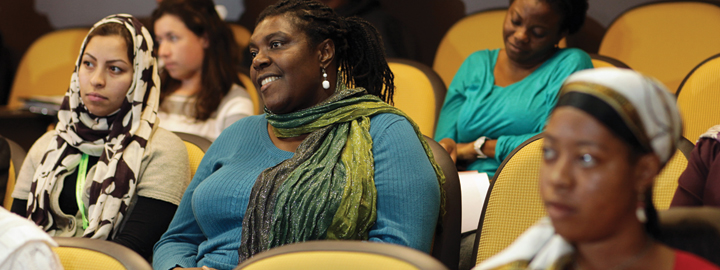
[{"x": 325, "y": 82}]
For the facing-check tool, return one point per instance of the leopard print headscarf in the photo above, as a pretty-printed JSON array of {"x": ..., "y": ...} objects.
[{"x": 119, "y": 140}]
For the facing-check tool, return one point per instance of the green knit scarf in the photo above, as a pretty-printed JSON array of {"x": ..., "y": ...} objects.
[{"x": 327, "y": 189}]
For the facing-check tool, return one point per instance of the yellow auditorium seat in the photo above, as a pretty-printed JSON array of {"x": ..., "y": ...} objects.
[
  {"x": 664, "y": 39},
  {"x": 698, "y": 98},
  {"x": 78, "y": 253},
  {"x": 196, "y": 147},
  {"x": 667, "y": 181},
  {"x": 514, "y": 204},
  {"x": 255, "y": 96},
  {"x": 599, "y": 61},
  {"x": 46, "y": 67},
  {"x": 478, "y": 31},
  {"x": 348, "y": 255},
  {"x": 242, "y": 37},
  {"x": 419, "y": 92},
  {"x": 446, "y": 244},
  {"x": 17, "y": 156}
]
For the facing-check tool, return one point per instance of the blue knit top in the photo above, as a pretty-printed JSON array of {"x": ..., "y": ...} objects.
[
  {"x": 475, "y": 106},
  {"x": 207, "y": 226}
]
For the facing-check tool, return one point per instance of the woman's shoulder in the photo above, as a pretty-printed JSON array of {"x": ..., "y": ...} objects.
[
  {"x": 237, "y": 91},
  {"x": 165, "y": 141},
  {"x": 575, "y": 54},
  {"x": 483, "y": 55},
  {"x": 685, "y": 260}
]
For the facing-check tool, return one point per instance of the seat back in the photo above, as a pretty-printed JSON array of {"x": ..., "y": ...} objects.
[
  {"x": 698, "y": 98},
  {"x": 242, "y": 37},
  {"x": 255, "y": 96},
  {"x": 666, "y": 182},
  {"x": 513, "y": 202},
  {"x": 600, "y": 61},
  {"x": 341, "y": 255},
  {"x": 17, "y": 156},
  {"x": 196, "y": 147},
  {"x": 446, "y": 244},
  {"x": 664, "y": 39},
  {"x": 47, "y": 66},
  {"x": 78, "y": 253},
  {"x": 419, "y": 93},
  {"x": 692, "y": 229},
  {"x": 474, "y": 32}
]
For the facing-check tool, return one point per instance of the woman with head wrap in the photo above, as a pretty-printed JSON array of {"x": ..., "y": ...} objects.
[
  {"x": 326, "y": 161},
  {"x": 610, "y": 134},
  {"x": 107, "y": 171}
]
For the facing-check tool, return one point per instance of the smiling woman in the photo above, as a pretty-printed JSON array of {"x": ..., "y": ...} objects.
[
  {"x": 326, "y": 161},
  {"x": 500, "y": 98},
  {"x": 107, "y": 155}
]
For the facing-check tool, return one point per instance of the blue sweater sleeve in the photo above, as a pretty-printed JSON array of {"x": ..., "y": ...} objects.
[
  {"x": 570, "y": 61},
  {"x": 179, "y": 244},
  {"x": 408, "y": 194}
]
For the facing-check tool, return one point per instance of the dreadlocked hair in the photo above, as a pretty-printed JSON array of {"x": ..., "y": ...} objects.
[{"x": 358, "y": 46}]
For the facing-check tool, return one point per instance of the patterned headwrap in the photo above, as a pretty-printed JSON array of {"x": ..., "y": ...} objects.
[
  {"x": 119, "y": 140},
  {"x": 637, "y": 108}
]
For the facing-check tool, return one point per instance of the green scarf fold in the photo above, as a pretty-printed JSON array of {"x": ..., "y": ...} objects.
[{"x": 327, "y": 189}]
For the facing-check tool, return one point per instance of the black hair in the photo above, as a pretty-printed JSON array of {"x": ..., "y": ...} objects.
[
  {"x": 573, "y": 11},
  {"x": 113, "y": 29},
  {"x": 358, "y": 46},
  {"x": 221, "y": 57}
]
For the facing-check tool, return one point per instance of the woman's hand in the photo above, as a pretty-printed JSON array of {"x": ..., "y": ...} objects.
[
  {"x": 450, "y": 147},
  {"x": 466, "y": 151}
]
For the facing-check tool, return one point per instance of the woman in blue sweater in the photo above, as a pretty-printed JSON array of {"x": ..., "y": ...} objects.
[
  {"x": 325, "y": 161},
  {"x": 500, "y": 98}
]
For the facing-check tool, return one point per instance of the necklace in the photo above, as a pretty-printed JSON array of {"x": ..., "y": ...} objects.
[{"x": 627, "y": 262}]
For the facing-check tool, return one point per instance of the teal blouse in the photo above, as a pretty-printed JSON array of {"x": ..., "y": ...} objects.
[{"x": 475, "y": 106}]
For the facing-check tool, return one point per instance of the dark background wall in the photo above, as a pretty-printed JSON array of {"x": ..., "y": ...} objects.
[{"x": 21, "y": 22}]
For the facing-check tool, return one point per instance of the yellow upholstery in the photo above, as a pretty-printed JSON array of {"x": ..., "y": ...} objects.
[
  {"x": 7, "y": 203},
  {"x": 196, "y": 147},
  {"x": 482, "y": 30},
  {"x": 330, "y": 260},
  {"x": 46, "y": 67},
  {"x": 419, "y": 93},
  {"x": 78, "y": 253},
  {"x": 341, "y": 255},
  {"x": 195, "y": 154},
  {"x": 242, "y": 37},
  {"x": 514, "y": 202},
  {"x": 699, "y": 98},
  {"x": 252, "y": 91},
  {"x": 664, "y": 40},
  {"x": 667, "y": 181},
  {"x": 78, "y": 258}
]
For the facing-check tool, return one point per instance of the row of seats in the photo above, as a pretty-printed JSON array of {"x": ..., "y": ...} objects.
[{"x": 512, "y": 205}]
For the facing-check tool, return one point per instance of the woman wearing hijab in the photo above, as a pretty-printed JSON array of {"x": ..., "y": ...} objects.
[
  {"x": 325, "y": 161},
  {"x": 107, "y": 171},
  {"x": 610, "y": 134}
]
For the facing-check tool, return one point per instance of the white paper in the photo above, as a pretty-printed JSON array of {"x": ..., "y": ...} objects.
[{"x": 473, "y": 187}]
